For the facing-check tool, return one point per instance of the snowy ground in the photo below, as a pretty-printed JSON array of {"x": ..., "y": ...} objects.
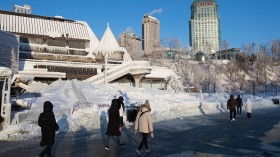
[{"x": 78, "y": 104}]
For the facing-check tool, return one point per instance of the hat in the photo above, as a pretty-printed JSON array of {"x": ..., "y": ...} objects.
[
  {"x": 146, "y": 104},
  {"x": 48, "y": 106}
]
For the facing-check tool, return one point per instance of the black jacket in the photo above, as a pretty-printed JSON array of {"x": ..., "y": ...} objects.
[
  {"x": 48, "y": 125},
  {"x": 114, "y": 119},
  {"x": 239, "y": 101}
]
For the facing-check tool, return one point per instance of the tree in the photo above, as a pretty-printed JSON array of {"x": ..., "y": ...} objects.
[{"x": 225, "y": 46}]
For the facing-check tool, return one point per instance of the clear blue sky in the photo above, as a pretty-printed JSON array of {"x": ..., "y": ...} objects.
[{"x": 242, "y": 21}]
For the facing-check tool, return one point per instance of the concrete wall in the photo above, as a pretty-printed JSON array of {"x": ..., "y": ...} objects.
[{"x": 9, "y": 51}]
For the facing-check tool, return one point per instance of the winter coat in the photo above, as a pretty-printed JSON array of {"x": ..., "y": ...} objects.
[
  {"x": 239, "y": 101},
  {"x": 248, "y": 106},
  {"x": 114, "y": 119},
  {"x": 48, "y": 125},
  {"x": 231, "y": 103},
  {"x": 143, "y": 122}
]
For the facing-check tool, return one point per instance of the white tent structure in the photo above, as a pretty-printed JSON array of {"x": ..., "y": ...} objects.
[{"x": 108, "y": 45}]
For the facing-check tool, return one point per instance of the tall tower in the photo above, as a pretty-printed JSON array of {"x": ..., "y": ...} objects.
[
  {"x": 150, "y": 34},
  {"x": 205, "y": 26}
]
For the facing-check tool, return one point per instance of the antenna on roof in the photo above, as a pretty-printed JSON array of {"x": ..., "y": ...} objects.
[{"x": 108, "y": 24}]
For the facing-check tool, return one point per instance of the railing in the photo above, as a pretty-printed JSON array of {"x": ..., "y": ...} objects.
[{"x": 120, "y": 70}]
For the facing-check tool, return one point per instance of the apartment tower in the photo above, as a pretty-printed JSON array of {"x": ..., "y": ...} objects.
[
  {"x": 204, "y": 26},
  {"x": 150, "y": 34}
]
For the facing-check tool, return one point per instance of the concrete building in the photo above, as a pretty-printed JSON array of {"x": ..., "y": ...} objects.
[
  {"x": 130, "y": 42},
  {"x": 150, "y": 34},
  {"x": 25, "y": 9},
  {"x": 204, "y": 25}
]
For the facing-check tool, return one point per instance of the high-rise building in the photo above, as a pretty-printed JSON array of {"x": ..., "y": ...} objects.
[
  {"x": 150, "y": 34},
  {"x": 204, "y": 26},
  {"x": 25, "y": 9},
  {"x": 130, "y": 42}
]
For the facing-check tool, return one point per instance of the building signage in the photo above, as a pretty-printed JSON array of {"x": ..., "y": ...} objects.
[{"x": 204, "y": 3}]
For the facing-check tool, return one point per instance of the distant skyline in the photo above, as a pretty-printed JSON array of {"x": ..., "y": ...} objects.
[{"x": 242, "y": 21}]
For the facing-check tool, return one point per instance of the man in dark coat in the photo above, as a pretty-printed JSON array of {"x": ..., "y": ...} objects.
[
  {"x": 231, "y": 105},
  {"x": 239, "y": 104},
  {"x": 48, "y": 126},
  {"x": 114, "y": 124}
]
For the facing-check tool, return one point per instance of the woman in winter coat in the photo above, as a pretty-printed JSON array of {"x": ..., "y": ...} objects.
[
  {"x": 48, "y": 126},
  {"x": 144, "y": 125},
  {"x": 248, "y": 107},
  {"x": 114, "y": 125}
]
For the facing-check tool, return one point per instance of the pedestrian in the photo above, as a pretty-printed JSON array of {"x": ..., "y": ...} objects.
[
  {"x": 231, "y": 105},
  {"x": 114, "y": 125},
  {"x": 48, "y": 126},
  {"x": 144, "y": 125},
  {"x": 239, "y": 104},
  {"x": 121, "y": 109},
  {"x": 248, "y": 107}
]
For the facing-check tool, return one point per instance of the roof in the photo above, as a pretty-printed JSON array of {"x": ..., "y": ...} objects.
[
  {"x": 161, "y": 72},
  {"x": 108, "y": 42},
  {"x": 42, "y": 25}
]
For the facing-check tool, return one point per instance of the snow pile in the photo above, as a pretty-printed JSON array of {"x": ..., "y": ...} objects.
[
  {"x": 79, "y": 104},
  {"x": 5, "y": 72}
]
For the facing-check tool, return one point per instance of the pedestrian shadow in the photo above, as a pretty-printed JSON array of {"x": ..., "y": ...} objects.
[
  {"x": 80, "y": 146},
  {"x": 103, "y": 126},
  {"x": 63, "y": 129}
]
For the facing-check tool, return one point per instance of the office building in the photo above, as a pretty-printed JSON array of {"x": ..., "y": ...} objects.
[
  {"x": 150, "y": 34},
  {"x": 130, "y": 42},
  {"x": 204, "y": 26}
]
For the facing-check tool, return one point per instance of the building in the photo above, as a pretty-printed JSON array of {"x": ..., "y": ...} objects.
[
  {"x": 150, "y": 34},
  {"x": 228, "y": 54},
  {"x": 130, "y": 42},
  {"x": 25, "y": 9},
  {"x": 204, "y": 26}
]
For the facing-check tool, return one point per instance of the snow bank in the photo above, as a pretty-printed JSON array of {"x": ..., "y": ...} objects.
[{"x": 79, "y": 104}]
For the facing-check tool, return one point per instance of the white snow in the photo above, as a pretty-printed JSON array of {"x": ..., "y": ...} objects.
[
  {"x": 79, "y": 104},
  {"x": 6, "y": 72}
]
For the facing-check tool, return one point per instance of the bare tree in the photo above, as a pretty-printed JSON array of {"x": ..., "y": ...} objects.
[{"x": 225, "y": 46}]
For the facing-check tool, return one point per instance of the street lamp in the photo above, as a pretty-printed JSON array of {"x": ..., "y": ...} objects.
[{"x": 253, "y": 88}]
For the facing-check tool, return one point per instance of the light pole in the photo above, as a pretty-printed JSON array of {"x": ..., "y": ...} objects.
[{"x": 253, "y": 88}]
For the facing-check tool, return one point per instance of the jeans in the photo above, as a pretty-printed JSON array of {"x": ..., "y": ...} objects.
[
  {"x": 47, "y": 150},
  {"x": 108, "y": 139},
  {"x": 232, "y": 112}
]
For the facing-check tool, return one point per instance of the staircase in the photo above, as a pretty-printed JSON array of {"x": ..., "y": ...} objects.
[{"x": 132, "y": 67}]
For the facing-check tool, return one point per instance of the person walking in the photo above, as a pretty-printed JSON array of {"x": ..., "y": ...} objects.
[
  {"x": 231, "y": 105},
  {"x": 48, "y": 126},
  {"x": 114, "y": 125},
  {"x": 248, "y": 107},
  {"x": 239, "y": 104},
  {"x": 144, "y": 125}
]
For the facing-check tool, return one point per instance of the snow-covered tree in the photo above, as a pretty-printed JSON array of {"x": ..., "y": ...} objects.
[{"x": 173, "y": 84}]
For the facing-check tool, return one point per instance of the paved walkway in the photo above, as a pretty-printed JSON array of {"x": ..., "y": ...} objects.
[{"x": 192, "y": 136}]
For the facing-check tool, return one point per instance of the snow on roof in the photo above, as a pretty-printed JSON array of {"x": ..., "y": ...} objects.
[
  {"x": 41, "y": 25},
  {"x": 108, "y": 43},
  {"x": 5, "y": 72},
  {"x": 161, "y": 72}
]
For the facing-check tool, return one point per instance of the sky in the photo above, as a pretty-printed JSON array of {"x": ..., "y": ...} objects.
[{"x": 242, "y": 21}]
